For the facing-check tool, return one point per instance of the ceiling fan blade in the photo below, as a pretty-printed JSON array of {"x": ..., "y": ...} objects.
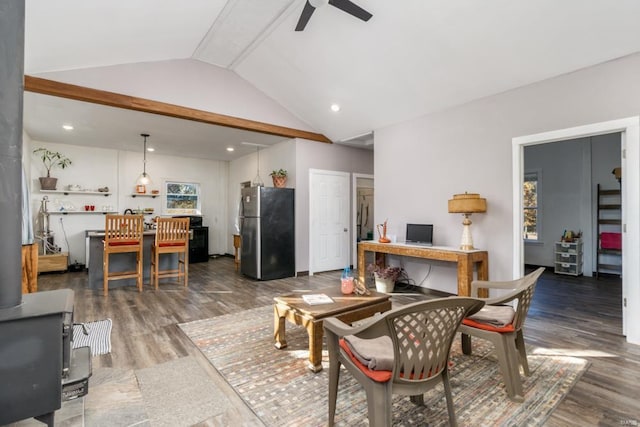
[
  {"x": 351, "y": 8},
  {"x": 305, "y": 16}
]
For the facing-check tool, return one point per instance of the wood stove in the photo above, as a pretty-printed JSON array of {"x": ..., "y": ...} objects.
[{"x": 38, "y": 367}]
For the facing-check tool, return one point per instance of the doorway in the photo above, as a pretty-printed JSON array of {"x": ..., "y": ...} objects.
[
  {"x": 329, "y": 212},
  {"x": 362, "y": 212},
  {"x": 630, "y": 192},
  {"x": 561, "y": 199}
]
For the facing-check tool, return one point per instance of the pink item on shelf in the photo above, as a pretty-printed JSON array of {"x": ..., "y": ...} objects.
[{"x": 611, "y": 241}]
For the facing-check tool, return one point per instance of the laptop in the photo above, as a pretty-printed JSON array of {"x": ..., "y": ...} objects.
[{"x": 420, "y": 234}]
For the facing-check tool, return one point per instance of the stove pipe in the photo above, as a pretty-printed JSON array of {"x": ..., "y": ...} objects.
[{"x": 11, "y": 95}]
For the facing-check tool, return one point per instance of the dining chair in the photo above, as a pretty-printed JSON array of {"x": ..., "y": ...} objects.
[
  {"x": 402, "y": 351},
  {"x": 501, "y": 322},
  {"x": 122, "y": 234},
  {"x": 172, "y": 237}
]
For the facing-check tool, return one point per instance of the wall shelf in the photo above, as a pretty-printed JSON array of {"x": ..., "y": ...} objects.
[
  {"x": 68, "y": 192},
  {"x": 153, "y": 196},
  {"x": 82, "y": 212},
  {"x": 609, "y": 232}
]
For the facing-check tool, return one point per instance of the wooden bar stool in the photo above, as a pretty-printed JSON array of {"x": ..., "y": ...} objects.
[
  {"x": 122, "y": 234},
  {"x": 172, "y": 237}
]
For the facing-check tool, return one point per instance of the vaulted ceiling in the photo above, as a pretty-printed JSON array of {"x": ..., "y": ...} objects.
[{"x": 413, "y": 57}]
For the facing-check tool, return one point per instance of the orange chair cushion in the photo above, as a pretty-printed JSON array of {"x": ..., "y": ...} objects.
[
  {"x": 377, "y": 376},
  {"x": 487, "y": 327},
  {"x": 124, "y": 243},
  {"x": 166, "y": 244}
]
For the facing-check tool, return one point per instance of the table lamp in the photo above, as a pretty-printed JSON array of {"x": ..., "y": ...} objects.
[{"x": 466, "y": 204}]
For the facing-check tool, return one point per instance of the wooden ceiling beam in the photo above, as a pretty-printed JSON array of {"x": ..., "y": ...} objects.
[{"x": 96, "y": 96}]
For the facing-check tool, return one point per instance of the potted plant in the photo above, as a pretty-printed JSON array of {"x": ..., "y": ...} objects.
[
  {"x": 279, "y": 178},
  {"x": 50, "y": 159},
  {"x": 385, "y": 277}
]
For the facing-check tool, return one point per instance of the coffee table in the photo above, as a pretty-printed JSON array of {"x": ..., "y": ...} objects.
[{"x": 348, "y": 308}]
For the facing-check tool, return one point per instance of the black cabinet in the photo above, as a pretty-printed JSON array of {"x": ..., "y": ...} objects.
[{"x": 199, "y": 245}]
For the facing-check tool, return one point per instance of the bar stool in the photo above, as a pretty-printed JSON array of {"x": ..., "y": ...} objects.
[
  {"x": 122, "y": 234},
  {"x": 172, "y": 237}
]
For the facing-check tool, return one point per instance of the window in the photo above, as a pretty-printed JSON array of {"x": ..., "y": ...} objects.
[
  {"x": 182, "y": 198},
  {"x": 531, "y": 195}
]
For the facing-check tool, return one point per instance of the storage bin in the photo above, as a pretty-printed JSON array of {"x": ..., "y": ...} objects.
[
  {"x": 566, "y": 268},
  {"x": 567, "y": 247},
  {"x": 566, "y": 257}
]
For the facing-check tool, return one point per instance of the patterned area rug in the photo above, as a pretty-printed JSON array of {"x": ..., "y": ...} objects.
[
  {"x": 279, "y": 388},
  {"x": 96, "y": 335}
]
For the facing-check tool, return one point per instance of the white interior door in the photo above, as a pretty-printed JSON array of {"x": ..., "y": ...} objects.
[{"x": 329, "y": 211}]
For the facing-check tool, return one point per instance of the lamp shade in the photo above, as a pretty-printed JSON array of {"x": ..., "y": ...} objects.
[{"x": 467, "y": 203}]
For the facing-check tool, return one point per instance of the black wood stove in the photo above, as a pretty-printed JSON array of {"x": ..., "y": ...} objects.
[{"x": 38, "y": 367}]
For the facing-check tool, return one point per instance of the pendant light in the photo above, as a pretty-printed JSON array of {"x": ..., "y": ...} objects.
[
  {"x": 144, "y": 178},
  {"x": 257, "y": 181}
]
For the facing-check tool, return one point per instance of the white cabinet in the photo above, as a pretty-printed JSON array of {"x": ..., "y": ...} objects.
[{"x": 568, "y": 258}]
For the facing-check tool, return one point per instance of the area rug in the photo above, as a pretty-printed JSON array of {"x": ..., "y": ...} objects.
[
  {"x": 279, "y": 388},
  {"x": 96, "y": 335},
  {"x": 180, "y": 393}
]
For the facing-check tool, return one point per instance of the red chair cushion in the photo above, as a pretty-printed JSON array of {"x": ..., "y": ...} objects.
[
  {"x": 487, "y": 327},
  {"x": 166, "y": 244},
  {"x": 124, "y": 243},
  {"x": 378, "y": 376}
]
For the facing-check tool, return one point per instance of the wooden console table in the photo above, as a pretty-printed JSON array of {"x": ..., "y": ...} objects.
[{"x": 464, "y": 259}]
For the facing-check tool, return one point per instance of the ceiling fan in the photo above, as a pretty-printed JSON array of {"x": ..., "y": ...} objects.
[{"x": 344, "y": 5}]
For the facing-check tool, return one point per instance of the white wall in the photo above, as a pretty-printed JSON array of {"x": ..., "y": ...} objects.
[
  {"x": 297, "y": 157},
  {"x": 312, "y": 155},
  {"x": 421, "y": 163},
  {"x": 185, "y": 82},
  {"x": 93, "y": 168},
  {"x": 278, "y": 156},
  {"x": 562, "y": 193}
]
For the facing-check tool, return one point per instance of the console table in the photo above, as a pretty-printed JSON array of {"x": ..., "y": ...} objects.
[{"x": 465, "y": 261}]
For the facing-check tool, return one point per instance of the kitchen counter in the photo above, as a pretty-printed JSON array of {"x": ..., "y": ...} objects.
[{"x": 121, "y": 262}]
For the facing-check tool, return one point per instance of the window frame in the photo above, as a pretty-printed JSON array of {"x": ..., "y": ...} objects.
[
  {"x": 168, "y": 196},
  {"x": 537, "y": 176}
]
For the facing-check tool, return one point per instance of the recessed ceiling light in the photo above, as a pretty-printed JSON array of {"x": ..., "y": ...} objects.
[
  {"x": 67, "y": 127},
  {"x": 335, "y": 108},
  {"x": 150, "y": 149},
  {"x": 230, "y": 149}
]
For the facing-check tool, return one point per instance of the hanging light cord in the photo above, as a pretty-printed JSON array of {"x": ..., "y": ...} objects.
[{"x": 144, "y": 155}]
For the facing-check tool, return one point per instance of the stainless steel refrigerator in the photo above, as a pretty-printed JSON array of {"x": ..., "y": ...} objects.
[{"x": 267, "y": 228}]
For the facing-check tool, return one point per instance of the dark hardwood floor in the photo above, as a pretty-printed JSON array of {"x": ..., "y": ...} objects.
[{"x": 575, "y": 316}]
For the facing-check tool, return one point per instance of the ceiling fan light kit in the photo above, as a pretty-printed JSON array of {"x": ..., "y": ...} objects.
[{"x": 344, "y": 5}]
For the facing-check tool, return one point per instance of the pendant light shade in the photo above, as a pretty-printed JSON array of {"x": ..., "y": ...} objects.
[{"x": 144, "y": 178}]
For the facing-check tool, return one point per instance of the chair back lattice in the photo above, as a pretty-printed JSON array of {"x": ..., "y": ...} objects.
[
  {"x": 172, "y": 231},
  {"x": 524, "y": 297},
  {"x": 423, "y": 334},
  {"x": 121, "y": 229}
]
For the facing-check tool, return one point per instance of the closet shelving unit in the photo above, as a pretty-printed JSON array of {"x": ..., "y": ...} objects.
[{"x": 609, "y": 232}]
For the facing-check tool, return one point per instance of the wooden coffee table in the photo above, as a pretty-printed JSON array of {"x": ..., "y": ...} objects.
[{"x": 348, "y": 308}]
